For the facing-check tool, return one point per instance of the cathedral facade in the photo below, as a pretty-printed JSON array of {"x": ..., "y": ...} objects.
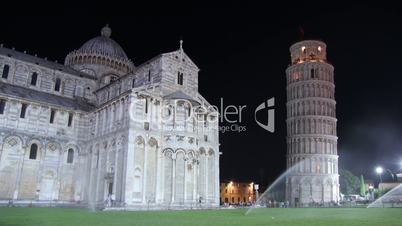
[
  {"x": 99, "y": 131},
  {"x": 312, "y": 158}
]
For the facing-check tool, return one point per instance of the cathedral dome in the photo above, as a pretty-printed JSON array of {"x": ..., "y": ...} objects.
[
  {"x": 104, "y": 45},
  {"x": 101, "y": 50}
]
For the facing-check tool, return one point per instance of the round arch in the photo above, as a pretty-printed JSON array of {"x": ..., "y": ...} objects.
[
  {"x": 202, "y": 151},
  {"x": 152, "y": 142},
  {"x": 139, "y": 140}
]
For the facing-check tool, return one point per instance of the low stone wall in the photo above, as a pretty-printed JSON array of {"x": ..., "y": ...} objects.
[
  {"x": 36, "y": 203},
  {"x": 162, "y": 207},
  {"x": 139, "y": 207}
]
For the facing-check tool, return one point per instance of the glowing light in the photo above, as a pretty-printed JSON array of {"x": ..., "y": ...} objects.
[
  {"x": 379, "y": 170},
  {"x": 319, "y": 49},
  {"x": 303, "y": 49},
  {"x": 256, "y": 187},
  {"x": 296, "y": 76}
]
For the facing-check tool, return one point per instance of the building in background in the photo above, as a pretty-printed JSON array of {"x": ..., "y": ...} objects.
[
  {"x": 90, "y": 132},
  {"x": 399, "y": 177},
  {"x": 312, "y": 157},
  {"x": 237, "y": 193},
  {"x": 384, "y": 187},
  {"x": 368, "y": 184}
]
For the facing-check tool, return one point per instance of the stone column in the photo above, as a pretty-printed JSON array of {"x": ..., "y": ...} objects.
[
  {"x": 19, "y": 173},
  {"x": 116, "y": 168},
  {"x": 40, "y": 170},
  {"x": 173, "y": 178},
  {"x": 99, "y": 175},
  {"x": 124, "y": 197},
  {"x": 206, "y": 178},
  {"x": 91, "y": 175},
  {"x": 57, "y": 187},
  {"x": 300, "y": 194},
  {"x": 87, "y": 171},
  {"x": 158, "y": 175},
  {"x": 144, "y": 173},
  {"x": 185, "y": 180},
  {"x": 217, "y": 190},
  {"x": 323, "y": 192},
  {"x": 106, "y": 116},
  {"x": 162, "y": 174},
  {"x": 79, "y": 174},
  {"x": 97, "y": 117},
  {"x": 195, "y": 182}
]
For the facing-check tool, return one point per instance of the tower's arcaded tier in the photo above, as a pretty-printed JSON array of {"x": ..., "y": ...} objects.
[
  {"x": 312, "y": 158},
  {"x": 309, "y": 50}
]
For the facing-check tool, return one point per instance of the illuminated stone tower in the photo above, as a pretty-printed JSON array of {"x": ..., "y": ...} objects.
[{"x": 311, "y": 127}]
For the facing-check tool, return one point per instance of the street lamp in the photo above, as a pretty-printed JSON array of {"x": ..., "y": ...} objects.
[
  {"x": 379, "y": 170},
  {"x": 256, "y": 187}
]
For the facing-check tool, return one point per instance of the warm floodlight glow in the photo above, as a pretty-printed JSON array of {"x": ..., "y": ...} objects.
[{"x": 379, "y": 170}]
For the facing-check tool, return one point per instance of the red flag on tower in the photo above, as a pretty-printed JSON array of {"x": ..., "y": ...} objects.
[{"x": 301, "y": 32}]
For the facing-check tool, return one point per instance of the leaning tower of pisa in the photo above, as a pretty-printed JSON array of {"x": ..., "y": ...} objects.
[{"x": 312, "y": 158}]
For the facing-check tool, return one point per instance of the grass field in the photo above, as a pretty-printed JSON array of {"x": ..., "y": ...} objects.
[{"x": 282, "y": 217}]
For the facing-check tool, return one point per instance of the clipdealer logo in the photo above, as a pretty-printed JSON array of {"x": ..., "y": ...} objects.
[
  {"x": 229, "y": 112},
  {"x": 231, "y": 115},
  {"x": 233, "y": 128},
  {"x": 269, "y": 104}
]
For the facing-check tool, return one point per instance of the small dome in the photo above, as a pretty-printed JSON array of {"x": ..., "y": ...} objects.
[
  {"x": 101, "y": 50},
  {"x": 104, "y": 45}
]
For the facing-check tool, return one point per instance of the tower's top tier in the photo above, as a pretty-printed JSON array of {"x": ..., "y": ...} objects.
[{"x": 308, "y": 51}]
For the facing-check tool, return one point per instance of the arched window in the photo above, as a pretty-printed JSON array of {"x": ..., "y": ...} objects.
[
  {"x": 70, "y": 119},
  {"x": 133, "y": 83},
  {"x": 318, "y": 168},
  {"x": 149, "y": 75},
  {"x": 52, "y": 114},
  {"x": 146, "y": 106},
  {"x": 70, "y": 155},
  {"x": 34, "y": 78},
  {"x": 33, "y": 151},
  {"x": 180, "y": 78},
  {"x": 57, "y": 85},
  {"x": 23, "y": 110},
  {"x": 2, "y": 106},
  {"x": 6, "y": 69}
]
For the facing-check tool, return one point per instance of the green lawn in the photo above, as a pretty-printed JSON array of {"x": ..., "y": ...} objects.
[{"x": 261, "y": 217}]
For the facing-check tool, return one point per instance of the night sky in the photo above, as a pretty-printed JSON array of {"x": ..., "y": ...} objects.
[{"x": 243, "y": 52}]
